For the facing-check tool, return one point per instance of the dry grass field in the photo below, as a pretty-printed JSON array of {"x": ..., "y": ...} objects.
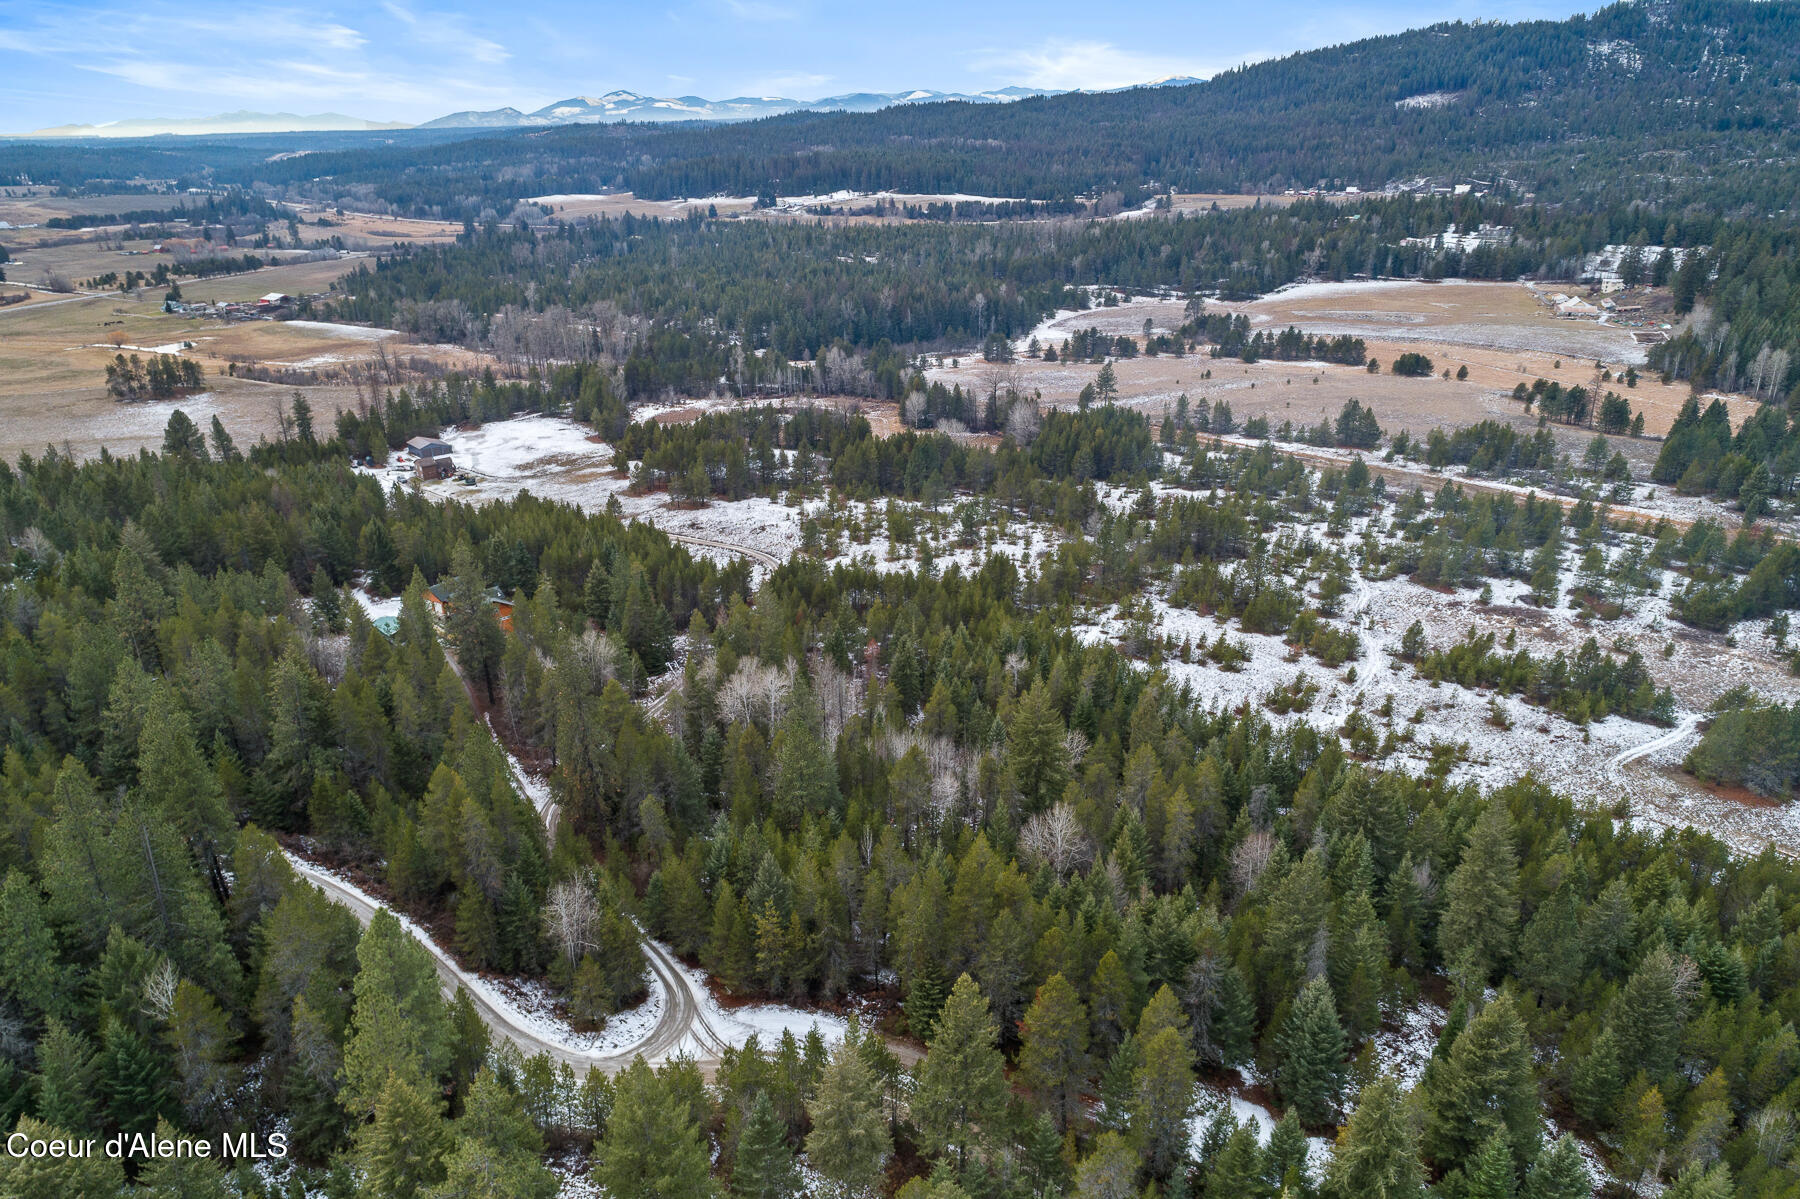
[
  {"x": 570, "y": 207},
  {"x": 1497, "y": 330}
]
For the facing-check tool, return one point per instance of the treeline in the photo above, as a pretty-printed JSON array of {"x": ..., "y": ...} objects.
[
  {"x": 1751, "y": 744},
  {"x": 215, "y": 211},
  {"x": 162, "y": 377},
  {"x": 743, "y": 287},
  {"x": 1589, "y": 686},
  {"x": 1579, "y": 100},
  {"x": 1757, "y": 466}
]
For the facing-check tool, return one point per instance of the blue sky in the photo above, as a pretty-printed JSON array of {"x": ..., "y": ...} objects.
[{"x": 410, "y": 60}]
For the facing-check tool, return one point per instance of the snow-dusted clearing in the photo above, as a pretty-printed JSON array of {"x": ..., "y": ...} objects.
[{"x": 353, "y": 332}]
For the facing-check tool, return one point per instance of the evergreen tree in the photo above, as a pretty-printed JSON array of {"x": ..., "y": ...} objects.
[
  {"x": 1490, "y": 1174},
  {"x": 1034, "y": 750},
  {"x": 1377, "y": 1151},
  {"x": 498, "y": 1149},
  {"x": 652, "y": 1149},
  {"x": 1109, "y": 1171},
  {"x": 1163, "y": 1102},
  {"x": 1484, "y": 1085},
  {"x": 68, "y": 1074},
  {"x": 399, "y": 1024},
  {"x": 1053, "y": 1061},
  {"x": 1481, "y": 910},
  {"x": 960, "y": 1099},
  {"x": 28, "y": 967},
  {"x": 1310, "y": 1050},
  {"x": 763, "y": 1167},
  {"x": 1559, "y": 1173},
  {"x": 849, "y": 1144},
  {"x": 469, "y": 622},
  {"x": 224, "y": 449},
  {"x": 27, "y": 1177},
  {"x": 401, "y": 1151},
  {"x": 182, "y": 1177}
]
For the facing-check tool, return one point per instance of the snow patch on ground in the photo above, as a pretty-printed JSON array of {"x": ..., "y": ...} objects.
[
  {"x": 1213, "y": 1104},
  {"x": 353, "y": 332}
]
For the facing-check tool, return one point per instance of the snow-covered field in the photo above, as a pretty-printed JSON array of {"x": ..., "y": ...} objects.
[
  {"x": 555, "y": 458},
  {"x": 353, "y": 332}
]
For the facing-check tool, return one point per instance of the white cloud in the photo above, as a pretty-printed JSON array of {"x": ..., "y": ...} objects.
[
  {"x": 384, "y": 61},
  {"x": 1065, "y": 64}
]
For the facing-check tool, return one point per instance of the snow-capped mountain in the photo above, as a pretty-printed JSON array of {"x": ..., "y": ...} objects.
[{"x": 630, "y": 106}]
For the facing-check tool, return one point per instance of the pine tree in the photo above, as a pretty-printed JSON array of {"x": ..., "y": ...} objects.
[
  {"x": 134, "y": 1079},
  {"x": 181, "y": 1177},
  {"x": 224, "y": 449},
  {"x": 1164, "y": 1100},
  {"x": 470, "y": 623},
  {"x": 805, "y": 775},
  {"x": 960, "y": 1099},
  {"x": 1646, "y": 1139},
  {"x": 652, "y": 1149},
  {"x": 1597, "y": 1080},
  {"x": 68, "y": 1073},
  {"x": 498, "y": 1149},
  {"x": 1490, "y": 1174},
  {"x": 1377, "y": 1151},
  {"x": 849, "y": 1144},
  {"x": 1481, "y": 910},
  {"x": 1484, "y": 1085},
  {"x": 1118, "y": 1086},
  {"x": 1700, "y": 1182},
  {"x": 764, "y": 1166},
  {"x": 401, "y": 1151},
  {"x": 1310, "y": 1050},
  {"x": 1559, "y": 1173},
  {"x": 28, "y": 972},
  {"x": 1109, "y": 1172},
  {"x": 1053, "y": 1061},
  {"x": 1035, "y": 754},
  {"x": 1284, "y": 1162},
  {"x": 399, "y": 1023},
  {"x": 27, "y": 1177}
]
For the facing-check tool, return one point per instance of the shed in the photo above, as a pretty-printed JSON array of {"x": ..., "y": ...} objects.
[{"x": 428, "y": 447}]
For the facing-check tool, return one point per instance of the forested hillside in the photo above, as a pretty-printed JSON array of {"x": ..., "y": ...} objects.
[
  {"x": 1081, "y": 892},
  {"x": 1670, "y": 100}
]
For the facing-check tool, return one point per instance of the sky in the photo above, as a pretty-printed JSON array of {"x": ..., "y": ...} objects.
[{"x": 91, "y": 61}]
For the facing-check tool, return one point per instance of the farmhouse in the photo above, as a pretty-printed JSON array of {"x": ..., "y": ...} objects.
[
  {"x": 432, "y": 457},
  {"x": 437, "y": 598}
]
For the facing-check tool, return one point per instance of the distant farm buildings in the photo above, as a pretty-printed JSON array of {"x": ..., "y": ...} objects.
[{"x": 431, "y": 458}]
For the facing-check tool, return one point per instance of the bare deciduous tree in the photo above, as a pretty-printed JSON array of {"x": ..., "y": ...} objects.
[
  {"x": 1250, "y": 859},
  {"x": 569, "y": 913},
  {"x": 1055, "y": 836}
]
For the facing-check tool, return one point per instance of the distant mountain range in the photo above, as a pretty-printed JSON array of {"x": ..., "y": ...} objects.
[
  {"x": 225, "y": 122},
  {"x": 618, "y": 105},
  {"x": 630, "y": 106}
]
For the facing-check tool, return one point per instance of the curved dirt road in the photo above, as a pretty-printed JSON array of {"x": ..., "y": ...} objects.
[
  {"x": 743, "y": 551},
  {"x": 683, "y": 1022}
]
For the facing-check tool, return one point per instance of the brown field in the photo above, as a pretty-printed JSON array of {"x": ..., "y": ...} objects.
[
  {"x": 364, "y": 230},
  {"x": 569, "y": 208},
  {"x": 1446, "y": 322},
  {"x": 53, "y": 361}
]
